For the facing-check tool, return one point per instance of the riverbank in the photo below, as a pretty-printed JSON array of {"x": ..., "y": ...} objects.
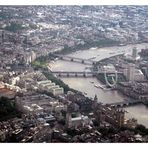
[
  {"x": 98, "y": 44},
  {"x": 89, "y": 44},
  {"x": 41, "y": 63},
  {"x": 57, "y": 81}
]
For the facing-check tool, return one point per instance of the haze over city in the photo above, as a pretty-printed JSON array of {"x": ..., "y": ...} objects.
[{"x": 73, "y": 74}]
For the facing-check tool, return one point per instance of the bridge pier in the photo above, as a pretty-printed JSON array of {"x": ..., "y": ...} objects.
[
  {"x": 119, "y": 105},
  {"x": 93, "y": 75},
  {"x": 84, "y": 75},
  {"x": 130, "y": 104},
  {"x": 94, "y": 63},
  {"x": 76, "y": 75},
  {"x": 124, "y": 105},
  {"x": 74, "y": 59},
  {"x": 127, "y": 103}
]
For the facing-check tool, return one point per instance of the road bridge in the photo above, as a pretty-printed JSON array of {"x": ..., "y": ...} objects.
[
  {"x": 77, "y": 73},
  {"x": 73, "y": 74},
  {"x": 126, "y": 103}
]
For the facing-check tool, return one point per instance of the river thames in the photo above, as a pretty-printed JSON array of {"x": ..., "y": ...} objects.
[{"x": 87, "y": 85}]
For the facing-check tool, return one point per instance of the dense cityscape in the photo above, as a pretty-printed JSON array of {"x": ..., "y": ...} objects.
[{"x": 73, "y": 74}]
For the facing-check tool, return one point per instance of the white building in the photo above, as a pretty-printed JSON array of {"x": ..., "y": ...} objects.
[
  {"x": 12, "y": 87},
  {"x": 33, "y": 56},
  {"x": 15, "y": 80},
  {"x": 133, "y": 74},
  {"x": 125, "y": 72},
  {"x": 57, "y": 106},
  {"x": 30, "y": 57},
  {"x": 44, "y": 82},
  {"x": 57, "y": 91},
  {"x": 34, "y": 108},
  {"x": 50, "y": 87},
  {"x": 47, "y": 87},
  {"x": 60, "y": 107}
]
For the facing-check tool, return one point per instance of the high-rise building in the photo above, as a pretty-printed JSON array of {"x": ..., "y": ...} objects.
[
  {"x": 134, "y": 53},
  {"x": 131, "y": 72},
  {"x": 33, "y": 56},
  {"x": 68, "y": 119}
]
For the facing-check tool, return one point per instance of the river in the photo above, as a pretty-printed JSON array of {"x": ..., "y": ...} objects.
[{"x": 87, "y": 85}]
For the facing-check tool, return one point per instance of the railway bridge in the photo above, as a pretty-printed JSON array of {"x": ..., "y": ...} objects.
[{"x": 74, "y": 59}]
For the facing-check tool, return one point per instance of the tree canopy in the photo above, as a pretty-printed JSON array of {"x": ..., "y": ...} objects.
[{"x": 7, "y": 109}]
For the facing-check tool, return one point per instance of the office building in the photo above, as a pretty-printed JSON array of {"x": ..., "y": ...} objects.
[
  {"x": 131, "y": 72},
  {"x": 134, "y": 53}
]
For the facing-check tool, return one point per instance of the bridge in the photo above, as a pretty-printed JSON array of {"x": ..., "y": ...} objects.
[
  {"x": 83, "y": 61},
  {"x": 77, "y": 73},
  {"x": 73, "y": 74},
  {"x": 110, "y": 56},
  {"x": 126, "y": 103},
  {"x": 74, "y": 59}
]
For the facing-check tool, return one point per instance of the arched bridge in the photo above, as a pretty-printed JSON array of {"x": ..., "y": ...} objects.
[
  {"x": 126, "y": 103},
  {"x": 73, "y": 74},
  {"x": 74, "y": 59},
  {"x": 76, "y": 73}
]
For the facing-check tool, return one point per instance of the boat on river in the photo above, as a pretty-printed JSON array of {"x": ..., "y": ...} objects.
[
  {"x": 84, "y": 93},
  {"x": 111, "y": 52},
  {"x": 96, "y": 86}
]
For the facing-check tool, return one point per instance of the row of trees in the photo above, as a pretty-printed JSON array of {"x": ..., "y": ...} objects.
[
  {"x": 56, "y": 81},
  {"x": 88, "y": 44},
  {"x": 14, "y": 27}
]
